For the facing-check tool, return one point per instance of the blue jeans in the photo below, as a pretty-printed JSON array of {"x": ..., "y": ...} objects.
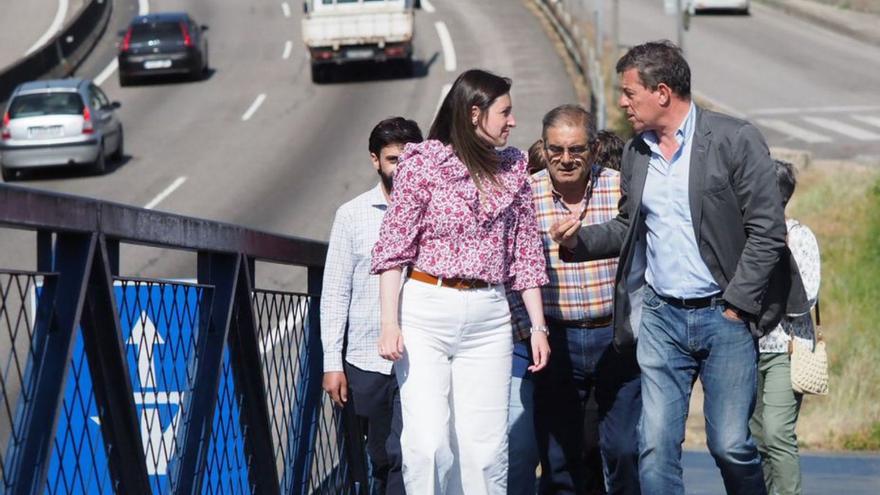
[
  {"x": 676, "y": 345},
  {"x": 583, "y": 360},
  {"x": 522, "y": 445}
]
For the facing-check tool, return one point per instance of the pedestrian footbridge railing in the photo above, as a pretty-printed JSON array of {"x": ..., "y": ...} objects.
[{"x": 112, "y": 384}]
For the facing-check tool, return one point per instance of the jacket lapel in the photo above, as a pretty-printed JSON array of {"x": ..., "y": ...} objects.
[
  {"x": 639, "y": 175},
  {"x": 699, "y": 151}
]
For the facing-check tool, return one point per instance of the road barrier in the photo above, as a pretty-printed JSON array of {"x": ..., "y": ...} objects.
[
  {"x": 566, "y": 22},
  {"x": 113, "y": 384},
  {"x": 61, "y": 55}
]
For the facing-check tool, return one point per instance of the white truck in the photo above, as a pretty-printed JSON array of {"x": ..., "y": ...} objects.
[{"x": 339, "y": 32}]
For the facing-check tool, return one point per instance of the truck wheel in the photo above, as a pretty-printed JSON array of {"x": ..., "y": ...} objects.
[{"x": 319, "y": 73}]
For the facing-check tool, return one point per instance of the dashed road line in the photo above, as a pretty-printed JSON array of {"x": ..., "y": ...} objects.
[
  {"x": 288, "y": 48},
  {"x": 254, "y": 107},
  {"x": 843, "y": 128},
  {"x": 793, "y": 130},
  {"x": 143, "y": 9},
  {"x": 107, "y": 72},
  {"x": 449, "y": 61},
  {"x": 428, "y": 7},
  {"x": 165, "y": 193},
  {"x": 443, "y": 92},
  {"x": 285, "y": 7}
]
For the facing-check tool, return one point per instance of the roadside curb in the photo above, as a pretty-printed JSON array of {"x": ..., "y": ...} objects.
[{"x": 858, "y": 25}]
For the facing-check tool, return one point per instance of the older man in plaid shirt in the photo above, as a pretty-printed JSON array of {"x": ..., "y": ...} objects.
[{"x": 578, "y": 307}]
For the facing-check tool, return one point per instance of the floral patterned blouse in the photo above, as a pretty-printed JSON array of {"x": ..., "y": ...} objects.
[
  {"x": 805, "y": 250},
  {"x": 439, "y": 223}
]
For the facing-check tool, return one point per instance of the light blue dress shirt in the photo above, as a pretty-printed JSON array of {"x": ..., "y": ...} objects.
[{"x": 675, "y": 267}]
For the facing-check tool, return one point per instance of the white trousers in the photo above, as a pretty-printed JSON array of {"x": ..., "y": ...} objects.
[{"x": 454, "y": 389}]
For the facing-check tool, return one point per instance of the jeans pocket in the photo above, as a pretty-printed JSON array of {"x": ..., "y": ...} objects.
[{"x": 721, "y": 308}]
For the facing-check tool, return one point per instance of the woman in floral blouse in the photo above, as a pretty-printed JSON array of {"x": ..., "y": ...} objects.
[
  {"x": 777, "y": 405},
  {"x": 462, "y": 221}
]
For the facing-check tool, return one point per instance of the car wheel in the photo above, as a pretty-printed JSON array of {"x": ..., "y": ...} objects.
[
  {"x": 8, "y": 175},
  {"x": 120, "y": 148},
  {"x": 100, "y": 165}
]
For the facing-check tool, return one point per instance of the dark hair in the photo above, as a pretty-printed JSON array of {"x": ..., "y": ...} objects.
[
  {"x": 536, "y": 157},
  {"x": 659, "y": 62},
  {"x": 394, "y": 130},
  {"x": 568, "y": 114},
  {"x": 786, "y": 178},
  {"x": 472, "y": 88},
  {"x": 606, "y": 150}
]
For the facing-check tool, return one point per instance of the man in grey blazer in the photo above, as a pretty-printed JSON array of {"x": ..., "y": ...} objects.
[{"x": 699, "y": 233}]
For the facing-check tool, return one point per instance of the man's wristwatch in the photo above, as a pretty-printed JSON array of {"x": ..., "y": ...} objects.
[{"x": 540, "y": 328}]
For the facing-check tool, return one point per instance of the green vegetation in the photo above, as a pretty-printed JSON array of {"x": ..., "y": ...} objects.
[{"x": 840, "y": 203}]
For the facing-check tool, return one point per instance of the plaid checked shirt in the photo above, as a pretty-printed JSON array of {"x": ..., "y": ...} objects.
[
  {"x": 576, "y": 291},
  {"x": 350, "y": 296}
]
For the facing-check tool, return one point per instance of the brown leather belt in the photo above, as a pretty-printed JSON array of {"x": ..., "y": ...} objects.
[
  {"x": 452, "y": 282},
  {"x": 585, "y": 323}
]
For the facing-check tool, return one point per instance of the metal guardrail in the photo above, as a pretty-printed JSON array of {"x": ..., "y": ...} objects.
[
  {"x": 581, "y": 53},
  {"x": 83, "y": 353},
  {"x": 61, "y": 55}
]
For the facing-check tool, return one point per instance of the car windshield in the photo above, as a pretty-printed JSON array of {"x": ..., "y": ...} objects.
[
  {"x": 35, "y": 105},
  {"x": 156, "y": 31}
]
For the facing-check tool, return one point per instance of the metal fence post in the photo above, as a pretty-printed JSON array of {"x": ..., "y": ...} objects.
[
  {"x": 54, "y": 334},
  {"x": 244, "y": 353},
  {"x": 221, "y": 271},
  {"x": 111, "y": 381},
  {"x": 310, "y": 391}
]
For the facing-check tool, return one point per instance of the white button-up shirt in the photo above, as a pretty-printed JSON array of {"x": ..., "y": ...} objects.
[{"x": 350, "y": 295}]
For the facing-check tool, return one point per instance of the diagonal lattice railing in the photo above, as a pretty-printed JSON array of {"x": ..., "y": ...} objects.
[{"x": 153, "y": 386}]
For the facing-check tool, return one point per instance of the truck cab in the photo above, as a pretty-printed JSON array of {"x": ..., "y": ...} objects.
[{"x": 338, "y": 32}]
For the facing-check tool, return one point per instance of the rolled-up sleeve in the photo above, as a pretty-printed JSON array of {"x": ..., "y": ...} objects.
[
  {"x": 399, "y": 236},
  {"x": 528, "y": 268}
]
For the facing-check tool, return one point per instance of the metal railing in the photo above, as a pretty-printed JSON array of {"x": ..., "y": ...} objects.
[{"x": 123, "y": 385}]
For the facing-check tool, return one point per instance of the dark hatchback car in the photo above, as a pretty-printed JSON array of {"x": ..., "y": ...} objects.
[{"x": 163, "y": 44}]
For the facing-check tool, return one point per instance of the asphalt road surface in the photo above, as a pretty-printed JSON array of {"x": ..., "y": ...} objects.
[
  {"x": 805, "y": 86},
  {"x": 259, "y": 144}
]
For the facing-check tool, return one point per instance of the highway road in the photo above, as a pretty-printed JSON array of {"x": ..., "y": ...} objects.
[
  {"x": 258, "y": 144},
  {"x": 805, "y": 86}
]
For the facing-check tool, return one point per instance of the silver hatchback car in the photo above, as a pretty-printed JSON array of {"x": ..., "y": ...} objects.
[{"x": 59, "y": 122}]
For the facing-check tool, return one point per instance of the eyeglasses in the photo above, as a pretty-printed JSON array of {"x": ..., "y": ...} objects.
[{"x": 557, "y": 151}]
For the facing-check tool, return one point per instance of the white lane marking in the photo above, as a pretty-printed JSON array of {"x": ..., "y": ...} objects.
[
  {"x": 286, "y": 9},
  {"x": 449, "y": 61},
  {"x": 874, "y": 121},
  {"x": 54, "y": 27},
  {"x": 729, "y": 110},
  {"x": 165, "y": 193},
  {"x": 443, "y": 92},
  {"x": 428, "y": 7},
  {"x": 793, "y": 130},
  {"x": 143, "y": 9},
  {"x": 792, "y": 110},
  {"x": 107, "y": 72},
  {"x": 288, "y": 47},
  {"x": 843, "y": 128},
  {"x": 254, "y": 107}
]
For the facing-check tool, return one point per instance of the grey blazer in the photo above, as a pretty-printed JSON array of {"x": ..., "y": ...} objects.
[{"x": 738, "y": 222}]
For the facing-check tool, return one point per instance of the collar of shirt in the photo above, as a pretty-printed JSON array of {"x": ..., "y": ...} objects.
[
  {"x": 683, "y": 134},
  {"x": 557, "y": 196},
  {"x": 377, "y": 197}
]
